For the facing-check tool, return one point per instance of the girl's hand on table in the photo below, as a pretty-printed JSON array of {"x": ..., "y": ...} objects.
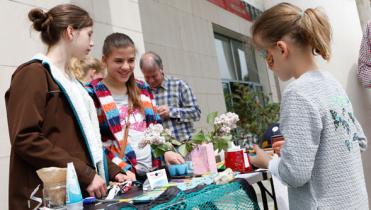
[{"x": 261, "y": 159}]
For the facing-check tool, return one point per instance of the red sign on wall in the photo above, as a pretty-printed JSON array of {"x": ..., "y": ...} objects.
[{"x": 235, "y": 6}]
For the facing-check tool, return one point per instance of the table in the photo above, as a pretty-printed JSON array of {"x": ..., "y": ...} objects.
[{"x": 253, "y": 178}]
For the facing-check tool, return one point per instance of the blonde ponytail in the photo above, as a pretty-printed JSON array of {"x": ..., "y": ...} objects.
[
  {"x": 317, "y": 29},
  {"x": 309, "y": 28},
  {"x": 74, "y": 67}
]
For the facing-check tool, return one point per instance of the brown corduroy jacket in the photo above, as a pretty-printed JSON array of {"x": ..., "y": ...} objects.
[{"x": 43, "y": 132}]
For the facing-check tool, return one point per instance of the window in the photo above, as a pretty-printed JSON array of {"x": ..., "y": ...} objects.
[
  {"x": 237, "y": 65},
  {"x": 225, "y": 59},
  {"x": 236, "y": 60}
]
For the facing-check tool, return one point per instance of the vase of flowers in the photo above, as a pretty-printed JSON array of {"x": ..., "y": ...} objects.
[
  {"x": 160, "y": 140},
  {"x": 218, "y": 138},
  {"x": 220, "y": 134},
  {"x": 202, "y": 145}
]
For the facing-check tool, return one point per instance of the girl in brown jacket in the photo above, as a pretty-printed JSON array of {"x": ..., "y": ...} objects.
[{"x": 51, "y": 118}]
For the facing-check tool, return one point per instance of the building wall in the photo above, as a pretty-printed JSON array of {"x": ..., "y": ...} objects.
[
  {"x": 181, "y": 32},
  {"x": 343, "y": 16},
  {"x": 364, "y": 11},
  {"x": 19, "y": 43}
]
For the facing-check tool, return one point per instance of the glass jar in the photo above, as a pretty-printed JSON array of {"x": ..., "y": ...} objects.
[{"x": 54, "y": 196}]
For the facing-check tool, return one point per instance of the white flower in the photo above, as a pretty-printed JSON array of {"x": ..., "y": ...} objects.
[
  {"x": 226, "y": 122},
  {"x": 158, "y": 140},
  {"x": 152, "y": 135},
  {"x": 168, "y": 132},
  {"x": 225, "y": 130}
]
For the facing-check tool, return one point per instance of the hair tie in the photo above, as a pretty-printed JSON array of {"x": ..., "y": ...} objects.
[
  {"x": 301, "y": 13},
  {"x": 47, "y": 21}
]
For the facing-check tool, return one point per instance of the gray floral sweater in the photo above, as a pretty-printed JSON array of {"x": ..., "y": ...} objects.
[{"x": 321, "y": 158}]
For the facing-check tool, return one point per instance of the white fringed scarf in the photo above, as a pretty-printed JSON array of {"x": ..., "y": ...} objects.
[{"x": 84, "y": 110}]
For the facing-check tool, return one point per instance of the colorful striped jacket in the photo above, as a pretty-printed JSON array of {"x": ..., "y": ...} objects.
[{"x": 110, "y": 126}]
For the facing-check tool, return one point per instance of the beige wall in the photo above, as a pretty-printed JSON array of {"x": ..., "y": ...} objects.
[
  {"x": 19, "y": 43},
  {"x": 364, "y": 10},
  {"x": 347, "y": 35},
  {"x": 181, "y": 31}
]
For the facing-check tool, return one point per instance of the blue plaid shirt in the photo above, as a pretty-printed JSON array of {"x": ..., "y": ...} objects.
[{"x": 183, "y": 107}]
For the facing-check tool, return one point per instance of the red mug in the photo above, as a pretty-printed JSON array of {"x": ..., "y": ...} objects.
[{"x": 238, "y": 161}]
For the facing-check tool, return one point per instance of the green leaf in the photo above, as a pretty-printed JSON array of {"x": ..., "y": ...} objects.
[
  {"x": 166, "y": 135},
  {"x": 182, "y": 149},
  {"x": 162, "y": 147},
  {"x": 168, "y": 138},
  {"x": 189, "y": 146},
  {"x": 199, "y": 138},
  {"x": 167, "y": 146},
  {"x": 175, "y": 142},
  {"x": 157, "y": 152},
  {"x": 211, "y": 118},
  {"x": 227, "y": 138},
  {"x": 221, "y": 143},
  {"x": 208, "y": 137}
]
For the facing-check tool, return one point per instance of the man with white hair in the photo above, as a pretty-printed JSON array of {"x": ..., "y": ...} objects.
[{"x": 177, "y": 105}]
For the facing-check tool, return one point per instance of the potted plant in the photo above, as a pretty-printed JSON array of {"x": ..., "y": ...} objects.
[{"x": 255, "y": 111}]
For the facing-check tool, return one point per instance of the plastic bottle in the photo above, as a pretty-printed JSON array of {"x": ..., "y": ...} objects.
[{"x": 73, "y": 191}]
